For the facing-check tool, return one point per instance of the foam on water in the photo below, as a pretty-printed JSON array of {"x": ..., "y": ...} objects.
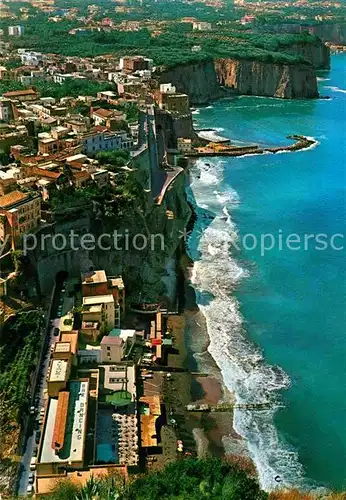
[
  {"x": 336, "y": 89},
  {"x": 212, "y": 135},
  {"x": 215, "y": 275}
]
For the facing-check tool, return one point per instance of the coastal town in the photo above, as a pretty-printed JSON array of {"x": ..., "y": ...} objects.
[
  {"x": 97, "y": 137},
  {"x": 104, "y": 397},
  {"x": 100, "y": 405}
]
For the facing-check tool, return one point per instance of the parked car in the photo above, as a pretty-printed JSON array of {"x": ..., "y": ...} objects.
[
  {"x": 37, "y": 437},
  {"x": 31, "y": 478},
  {"x": 33, "y": 462},
  {"x": 34, "y": 452},
  {"x": 30, "y": 489},
  {"x": 32, "y": 410},
  {"x": 56, "y": 331}
]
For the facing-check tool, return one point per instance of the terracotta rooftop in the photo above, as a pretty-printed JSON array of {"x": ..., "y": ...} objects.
[
  {"x": 15, "y": 93},
  {"x": 46, "y": 173},
  {"x": 104, "y": 113},
  {"x": 148, "y": 430},
  {"x": 109, "y": 340},
  {"x": 72, "y": 338},
  {"x": 100, "y": 128},
  {"x": 11, "y": 198},
  {"x": 81, "y": 175},
  {"x": 60, "y": 421},
  {"x": 154, "y": 403}
]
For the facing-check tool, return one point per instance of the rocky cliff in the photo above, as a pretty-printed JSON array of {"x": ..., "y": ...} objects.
[
  {"x": 208, "y": 80},
  {"x": 198, "y": 80},
  {"x": 317, "y": 54},
  {"x": 149, "y": 273},
  {"x": 335, "y": 33},
  {"x": 286, "y": 81},
  {"x": 328, "y": 32}
]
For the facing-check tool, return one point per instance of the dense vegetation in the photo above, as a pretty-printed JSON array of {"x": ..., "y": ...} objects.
[
  {"x": 113, "y": 200},
  {"x": 19, "y": 346},
  {"x": 72, "y": 88},
  {"x": 191, "y": 479},
  {"x": 174, "y": 44}
]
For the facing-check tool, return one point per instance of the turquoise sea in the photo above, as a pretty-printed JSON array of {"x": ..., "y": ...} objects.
[{"x": 277, "y": 322}]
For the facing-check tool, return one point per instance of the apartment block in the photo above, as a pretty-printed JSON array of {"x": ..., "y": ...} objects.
[
  {"x": 19, "y": 213},
  {"x": 95, "y": 284}
]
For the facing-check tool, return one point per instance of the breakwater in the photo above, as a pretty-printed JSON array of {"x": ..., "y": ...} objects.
[{"x": 217, "y": 149}]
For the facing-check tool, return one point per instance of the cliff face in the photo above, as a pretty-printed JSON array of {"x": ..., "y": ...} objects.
[
  {"x": 335, "y": 32},
  {"x": 149, "y": 273},
  {"x": 266, "y": 79},
  {"x": 198, "y": 80},
  {"x": 203, "y": 81},
  {"x": 318, "y": 54}
]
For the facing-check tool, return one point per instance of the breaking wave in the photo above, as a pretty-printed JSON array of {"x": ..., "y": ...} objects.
[
  {"x": 336, "y": 89},
  {"x": 215, "y": 276},
  {"x": 212, "y": 134}
]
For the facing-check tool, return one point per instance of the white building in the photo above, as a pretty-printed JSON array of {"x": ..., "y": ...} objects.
[
  {"x": 201, "y": 26},
  {"x": 31, "y": 58},
  {"x": 167, "y": 88},
  {"x": 16, "y": 30},
  {"x": 116, "y": 344},
  {"x": 184, "y": 145},
  {"x": 62, "y": 77},
  {"x": 106, "y": 141}
]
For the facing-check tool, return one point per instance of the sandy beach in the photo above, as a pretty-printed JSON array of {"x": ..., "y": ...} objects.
[{"x": 211, "y": 431}]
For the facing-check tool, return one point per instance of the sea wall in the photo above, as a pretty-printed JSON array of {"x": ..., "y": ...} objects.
[{"x": 172, "y": 127}]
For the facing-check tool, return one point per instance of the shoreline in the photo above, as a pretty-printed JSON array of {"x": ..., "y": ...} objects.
[{"x": 210, "y": 431}]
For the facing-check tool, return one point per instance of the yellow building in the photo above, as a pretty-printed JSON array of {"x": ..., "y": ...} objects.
[
  {"x": 59, "y": 374},
  {"x": 100, "y": 308},
  {"x": 96, "y": 284},
  {"x": 19, "y": 213}
]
